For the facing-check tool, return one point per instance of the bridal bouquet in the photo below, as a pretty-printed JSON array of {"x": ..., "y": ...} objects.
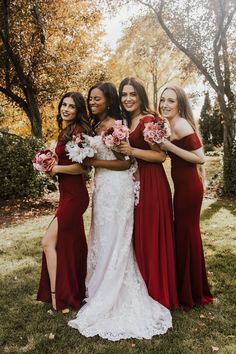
[
  {"x": 80, "y": 147},
  {"x": 156, "y": 131},
  {"x": 113, "y": 136},
  {"x": 44, "y": 160}
]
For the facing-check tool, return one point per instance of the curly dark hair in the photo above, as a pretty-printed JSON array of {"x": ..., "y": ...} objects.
[
  {"x": 112, "y": 101},
  {"x": 81, "y": 116},
  {"x": 142, "y": 94}
]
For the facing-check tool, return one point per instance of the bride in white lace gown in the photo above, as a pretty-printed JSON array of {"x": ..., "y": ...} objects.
[{"x": 117, "y": 304}]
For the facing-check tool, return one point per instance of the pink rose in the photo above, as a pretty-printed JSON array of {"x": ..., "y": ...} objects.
[
  {"x": 109, "y": 140},
  {"x": 156, "y": 131}
]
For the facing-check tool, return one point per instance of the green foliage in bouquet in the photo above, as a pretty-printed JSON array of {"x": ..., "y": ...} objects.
[{"x": 17, "y": 176}]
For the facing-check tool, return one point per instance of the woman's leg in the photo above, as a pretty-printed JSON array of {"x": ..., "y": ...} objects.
[{"x": 49, "y": 243}]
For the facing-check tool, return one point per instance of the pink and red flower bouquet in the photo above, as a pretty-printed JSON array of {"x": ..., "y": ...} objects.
[
  {"x": 156, "y": 131},
  {"x": 44, "y": 160},
  {"x": 112, "y": 137}
]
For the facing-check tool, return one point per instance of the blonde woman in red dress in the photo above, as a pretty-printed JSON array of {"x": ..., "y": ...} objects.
[{"x": 186, "y": 152}]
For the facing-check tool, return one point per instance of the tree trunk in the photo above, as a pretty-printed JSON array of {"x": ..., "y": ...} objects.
[
  {"x": 36, "y": 121},
  {"x": 229, "y": 168},
  {"x": 33, "y": 113},
  {"x": 155, "y": 91}
]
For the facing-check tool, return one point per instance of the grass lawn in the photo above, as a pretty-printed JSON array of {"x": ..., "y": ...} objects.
[{"x": 26, "y": 327}]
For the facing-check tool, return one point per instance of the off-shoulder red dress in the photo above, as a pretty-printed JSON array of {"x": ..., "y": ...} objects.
[
  {"x": 71, "y": 243},
  {"x": 153, "y": 227},
  {"x": 191, "y": 273}
]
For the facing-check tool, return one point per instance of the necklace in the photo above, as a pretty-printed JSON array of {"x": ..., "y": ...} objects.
[{"x": 97, "y": 125}]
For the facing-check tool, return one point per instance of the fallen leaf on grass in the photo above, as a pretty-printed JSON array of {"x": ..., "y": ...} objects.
[
  {"x": 202, "y": 316},
  {"x": 51, "y": 336},
  {"x": 195, "y": 330},
  {"x": 214, "y": 349},
  {"x": 65, "y": 311}
]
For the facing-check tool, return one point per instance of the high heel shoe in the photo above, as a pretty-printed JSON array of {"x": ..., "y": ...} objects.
[
  {"x": 53, "y": 311},
  {"x": 53, "y": 296}
]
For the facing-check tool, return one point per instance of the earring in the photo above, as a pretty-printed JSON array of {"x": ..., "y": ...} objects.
[{"x": 108, "y": 108}]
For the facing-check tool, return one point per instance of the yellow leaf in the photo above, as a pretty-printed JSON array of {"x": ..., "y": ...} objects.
[{"x": 65, "y": 311}]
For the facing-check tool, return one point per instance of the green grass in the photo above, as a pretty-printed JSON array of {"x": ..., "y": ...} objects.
[{"x": 25, "y": 326}]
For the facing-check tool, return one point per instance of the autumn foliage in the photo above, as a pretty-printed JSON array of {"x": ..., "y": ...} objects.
[{"x": 46, "y": 48}]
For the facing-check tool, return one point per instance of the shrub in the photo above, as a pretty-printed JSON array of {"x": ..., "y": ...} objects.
[{"x": 17, "y": 176}]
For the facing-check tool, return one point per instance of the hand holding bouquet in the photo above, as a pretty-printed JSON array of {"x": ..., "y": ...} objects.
[
  {"x": 156, "y": 131},
  {"x": 112, "y": 137},
  {"x": 44, "y": 160},
  {"x": 80, "y": 147}
]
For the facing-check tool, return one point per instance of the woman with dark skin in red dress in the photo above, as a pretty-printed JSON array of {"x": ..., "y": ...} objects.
[
  {"x": 153, "y": 216},
  {"x": 64, "y": 245},
  {"x": 185, "y": 150}
]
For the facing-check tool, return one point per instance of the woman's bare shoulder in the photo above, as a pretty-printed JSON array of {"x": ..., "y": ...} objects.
[{"x": 182, "y": 127}]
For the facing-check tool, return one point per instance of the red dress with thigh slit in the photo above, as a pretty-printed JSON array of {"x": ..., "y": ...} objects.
[
  {"x": 191, "y": 273},
  {"x": 153, "y": 227},
  {"x": 71, "y": 243}
]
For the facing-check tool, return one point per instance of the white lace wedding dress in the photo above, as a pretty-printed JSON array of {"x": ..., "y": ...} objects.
[{"x": 117, "y": 303}]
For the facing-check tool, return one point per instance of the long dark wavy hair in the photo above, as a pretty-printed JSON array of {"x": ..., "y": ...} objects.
[
  {"x": 112, "y": 102},
  {"x": 142, "y": 94},
  {"x": 81, "y": 116}
]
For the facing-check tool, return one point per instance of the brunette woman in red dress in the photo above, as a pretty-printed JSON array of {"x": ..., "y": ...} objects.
[
  {"x": 185, "y": 150},
  {"x": 64, "y": 245},
  {"x": 153, "y": 217}
]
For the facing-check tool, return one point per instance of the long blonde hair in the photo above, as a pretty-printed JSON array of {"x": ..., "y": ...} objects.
[{"x": 185, "y": 110}]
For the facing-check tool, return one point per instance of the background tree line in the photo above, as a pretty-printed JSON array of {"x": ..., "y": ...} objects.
[
  {"x": 47, "y": 47},
  {"x": 211, "y": 124},
  {"x": 205, "y": 31}
]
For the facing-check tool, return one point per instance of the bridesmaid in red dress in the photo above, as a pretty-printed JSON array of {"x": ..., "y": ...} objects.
[
  {"x": 185, "y": 150},
  {"x": 153, "y": 217},
  {"x": 64, "y": 245}
]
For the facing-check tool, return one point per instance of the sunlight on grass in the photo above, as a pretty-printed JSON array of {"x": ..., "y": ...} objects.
[
  {"x": 27, "y": 231},
  {"x": 9, "y": 266},
  {"x": 25, "y": 326}
]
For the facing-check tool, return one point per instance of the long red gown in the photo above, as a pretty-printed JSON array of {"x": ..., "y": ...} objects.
[
  {"x": 191, "y": 273},
  {"x": 71, "y": 243},
  {"x": 153, "y": 227}
]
